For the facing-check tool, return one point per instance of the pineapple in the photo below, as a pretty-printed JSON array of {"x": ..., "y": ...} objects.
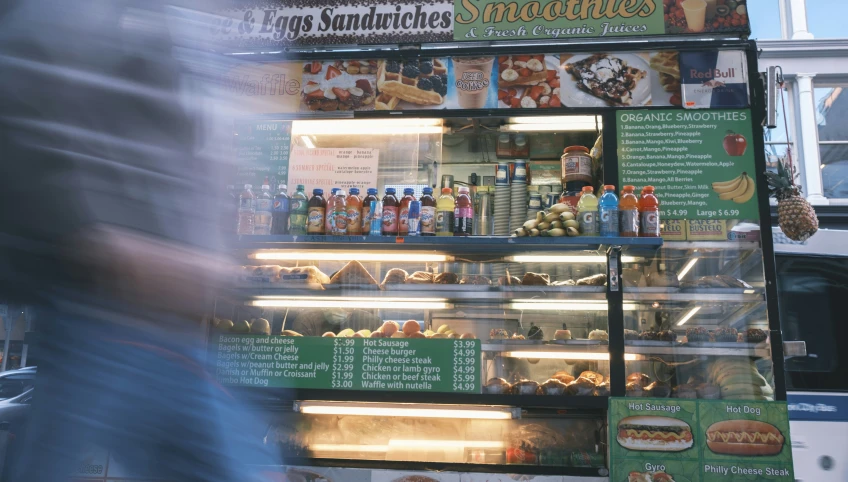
[{"x": 795, "y": 215}]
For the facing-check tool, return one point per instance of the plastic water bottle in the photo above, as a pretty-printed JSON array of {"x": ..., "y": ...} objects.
[
  {"x": 608, "y": 209},
  {"x": 263, "y": 214},
  {"x": 246, "y": 211}
]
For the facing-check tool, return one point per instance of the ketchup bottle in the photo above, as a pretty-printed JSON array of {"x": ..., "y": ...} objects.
[{"x": 391, "y": 208}]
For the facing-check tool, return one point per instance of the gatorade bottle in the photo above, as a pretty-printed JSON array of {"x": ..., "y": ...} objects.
[
  {"x": 587, "y": 212},
  {"x": 281, "y": 212},
  {"x": 354, "y": 212},
  {"x": 444, "y": 213},
  {"x": 246, "y": 211},
  {"x": 608, "y": 210},
  {"x": 463, "y": 213},
  {"x": 316, "y": 211},
  {"x": 649, "y": 205},
  {"x": 391, "y": 208},
  {"x": 428, "y": 213},
  {"x": 298, "y": 217},
  {"x": 403, "y": 223},
  {"x": 340, "y": 213},
  {"x": 367, "y": 214},
  {"x": 628, "y": 213},
  {"x": 329, "y": 221}
]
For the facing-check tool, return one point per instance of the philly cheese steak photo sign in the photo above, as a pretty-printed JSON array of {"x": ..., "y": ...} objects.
[
  {"x": 265, "y": 23},
  {"x": 662, "y": 440}
]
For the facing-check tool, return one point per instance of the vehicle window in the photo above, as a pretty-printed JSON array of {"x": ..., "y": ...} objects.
[
  {"x": 11, "y": 388},
  {"x": 813, "y": 296}
]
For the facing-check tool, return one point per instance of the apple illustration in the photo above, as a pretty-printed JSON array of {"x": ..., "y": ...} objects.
[{"x": 734, "y": 144}]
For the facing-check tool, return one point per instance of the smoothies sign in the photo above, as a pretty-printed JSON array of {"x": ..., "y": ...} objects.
[{"x": 699, "y": 440}]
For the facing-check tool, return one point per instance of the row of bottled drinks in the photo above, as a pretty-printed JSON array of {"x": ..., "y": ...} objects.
[{"x": 346, "y": 213}]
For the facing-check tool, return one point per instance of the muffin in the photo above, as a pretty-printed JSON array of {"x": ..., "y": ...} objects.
[
  {"x": 525, "y": 387},
  {"x": 726, "y": 335},
  {"x": 497, "y": 386},
  {"x": 697, "y": 335},
  {"x": 639, "y": 378},
  {"x": 634, "y": 389},
  {"x": 603, "y": 390},
  {"x": 684, "y": 391},
  {"x": 659, "y": 390},
  {"x": 551, "y": 387},
  {"x": 648, "y": 336},
  {"x": 562, "y": 335},
  {"x": 598, "y": 335},
  {"x": 667, "y": 335},
  {"x": 498, "y": 334},
  {"x": 535, "y": 333},
  {"x": 596, "y": 377},
  {"x": 755, "y": 335},
  {"x": 582, "y": 387},
  {"x": 563, "y": 376},
  {"x": 631, "y": 335}
]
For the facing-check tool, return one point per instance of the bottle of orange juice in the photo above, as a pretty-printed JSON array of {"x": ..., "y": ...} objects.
[
  {"x": 628, "y": 213},
  {"x": 649, "y": 205}
]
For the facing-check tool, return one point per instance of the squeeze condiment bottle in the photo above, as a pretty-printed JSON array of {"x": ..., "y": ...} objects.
[
  {"x": 444, "y": 213},
  {"x": 403, "y": 218},
  {"x": 329, "y": 220},
  {"x": 367, "y": 212},
  {"x": 354, "y": 212},
  {"x": 315, "y": 212},
  {"x": 428, "y": 213},
  {"x": 628, "y": 213},
  {"x": 391, "y": 206},
  {"x": 650, "y": 207},
  {"x": 463, "y": 213}
]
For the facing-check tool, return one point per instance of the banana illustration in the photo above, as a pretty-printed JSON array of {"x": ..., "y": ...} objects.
[
  {"x": 748, "y": 193},
  {"x": 731, "y": 185},
  {"x": 738, "y": 191}
]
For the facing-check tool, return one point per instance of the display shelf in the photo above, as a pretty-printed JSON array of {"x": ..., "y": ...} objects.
[
  {"x": 633, "y": 294},
  {"x": 473, "y": 244},
  {"x": 729, "y": 245},
  {"x": 541, "y": 346},
  {"x": 282, "y": 399},
  {"x": 597, "y": 472},
  {"x": 760, "y": 351},
  {"x": 458, "y": 294}
]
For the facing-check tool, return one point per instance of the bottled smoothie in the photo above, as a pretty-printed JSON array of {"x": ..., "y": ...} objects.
[
  {"x": 329, "y": 215},
  {"x": 339, "y": 213},
  {"x": 649, "y": 205},
  {"x": 428, "y": 213},
  {"x": 246, "y": 211},
  {"x": 403, "y": 219},
  {"x": 315, "y": 213},
  {"x": 444, "y": 213},
  {"x": 354, "y": 212},
  {"x": 391, "y": 208},
  {"x": 587, "y": 212},
  {"x": 463, "y": 213},
  {"x": 367, "y": 213},
  {"x": 608, "y": 210},
  {"x": 628, "y": 213},
  {"x": 299, "y": 214}
]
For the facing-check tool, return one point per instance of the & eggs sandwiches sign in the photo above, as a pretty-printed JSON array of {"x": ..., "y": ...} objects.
[{"x": 541, "y": 19}]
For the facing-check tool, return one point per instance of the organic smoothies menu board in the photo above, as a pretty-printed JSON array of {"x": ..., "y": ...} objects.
[
  {"x": 700, "y": 162},
  {"x": 347, "y": 363},
  {"x": 262, "y": 150},
  {"x": 699, "y": 440}
]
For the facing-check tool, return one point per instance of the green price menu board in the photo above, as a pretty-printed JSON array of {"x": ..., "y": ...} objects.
[
  {"x": 699, "y": 440},
  {"x": 388, "y": 364},
  {"x": 262, "y": 149},
  {"x": 701, "y": 162}
]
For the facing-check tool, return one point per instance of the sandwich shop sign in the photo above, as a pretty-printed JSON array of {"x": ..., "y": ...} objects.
[{"x": 281, "y": 23}]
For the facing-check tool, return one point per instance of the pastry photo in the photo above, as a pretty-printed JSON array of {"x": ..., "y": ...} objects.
[
  {"x": 411, "y": 84},
  {"x": 666, "y": 81},
  {"x": 528, "y": 81},
  {"x": 602, "y": 80}
]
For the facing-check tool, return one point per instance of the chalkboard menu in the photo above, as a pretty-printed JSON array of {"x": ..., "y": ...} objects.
[
  {"x": 389, "y": 364},
  {"x": 262, "y": 150}
]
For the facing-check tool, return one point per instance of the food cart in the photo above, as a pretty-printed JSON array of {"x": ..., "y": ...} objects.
[{"x": 557, "y": 357}]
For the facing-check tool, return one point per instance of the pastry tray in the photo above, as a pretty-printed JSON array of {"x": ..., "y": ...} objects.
[
  {"x": 436, "y": 287},
  {"x": 652, "y": 343},
  {"x": 725, "y": 344},
  {"x": 579, "y": 342}
]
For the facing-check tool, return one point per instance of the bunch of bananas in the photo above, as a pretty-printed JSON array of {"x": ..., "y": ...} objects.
[
  {"x": 739, "y": 379},
  {"x": 556, "y": 221},
  {"x": 739, "y": 189}
]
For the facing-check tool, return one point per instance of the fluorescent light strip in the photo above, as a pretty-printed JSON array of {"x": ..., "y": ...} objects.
[
  {"x": 364, "y": 303},
  {"x": 306, "y": 140},
  {"x": 367, "y": 126},
  {"x": 688, "y": 316},
  {"x": 418, "y": 411},
  {"x": 564, "y": 305},
  {"x": 348, "y": 448},
  {"x": 436, "y": 444},
  {"x": 547, "y": 127},
  {"x": 687, "y": 268},
  {"x": 565, "y": 259},
  {"x": 566, "y": 355},
  {"x": 349, "y": 256},
  {"x": 561, "y": 119}
]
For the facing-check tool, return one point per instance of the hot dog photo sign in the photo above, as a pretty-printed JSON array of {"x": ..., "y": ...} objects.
[{"x": 672, "y": 440}]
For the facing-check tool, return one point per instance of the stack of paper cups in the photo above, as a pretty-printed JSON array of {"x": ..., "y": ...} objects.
[
  {"x": 518, "y": 195},
  {"x": 502, "y": 200}
]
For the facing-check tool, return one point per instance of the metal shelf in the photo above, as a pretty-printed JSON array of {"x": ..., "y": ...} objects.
[
  {"x": 763, "y": 351},
  {"x": 450, "y": 244},
  {"x": 487, "y": 296},
  {"x": 690, "y": 245},
  {"x": 542, "y": 346},
  {"x": 634, "y": 295}
]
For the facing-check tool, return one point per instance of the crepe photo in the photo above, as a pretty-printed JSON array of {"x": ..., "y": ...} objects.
[
  {"x": 339, "y": 85},
  {"x": 414, "y": 83},
  {"x": 528, "y": 81},
  {"x": 605, "y": 79}
]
